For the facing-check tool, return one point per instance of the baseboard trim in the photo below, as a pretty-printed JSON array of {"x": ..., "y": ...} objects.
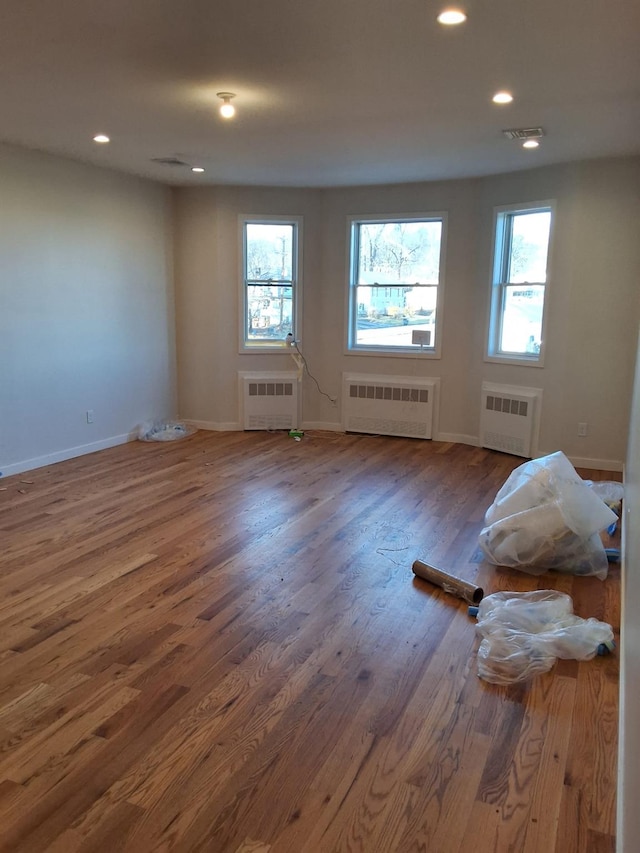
[
  {"x": 613, "y": 465},
  {"x": 212, "y": 426},
  {"x": 69, "y": 453},
  {"x": 576, "y": 461},
  {"x": 596, "y": 464},
  {"x": 234, "y": 426},
  {"x": 457, "y": 438},
  {"x": 323, "y": 425},
  {"x": 454, "y": 438}
]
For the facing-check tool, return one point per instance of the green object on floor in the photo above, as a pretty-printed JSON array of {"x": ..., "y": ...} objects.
[{"x": 296, "y": 433}]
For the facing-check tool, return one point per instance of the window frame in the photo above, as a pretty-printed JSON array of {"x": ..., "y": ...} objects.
[
  {"x": 351, "y": 308},
  {"x": 500, "y": 256},
  {"x": 272, "y": 345}
]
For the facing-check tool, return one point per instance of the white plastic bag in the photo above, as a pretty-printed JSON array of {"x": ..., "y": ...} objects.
[
  {"x": 525, "y": 632},
  {"x": 610, "y": 492},
  {"x": 545, "y": 517},
  {"x": 164, "y": 431}
]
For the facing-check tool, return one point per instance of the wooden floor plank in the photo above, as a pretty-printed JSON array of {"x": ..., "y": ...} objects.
[{"x": 218, "y": 644}]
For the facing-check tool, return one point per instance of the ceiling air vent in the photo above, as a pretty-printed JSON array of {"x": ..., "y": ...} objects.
[
  {"x": 168, "y": 161},
  {"x": 524, "y": 133}
]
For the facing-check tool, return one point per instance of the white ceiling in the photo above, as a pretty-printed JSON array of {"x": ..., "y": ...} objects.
[{"x": 329, "y": 92}]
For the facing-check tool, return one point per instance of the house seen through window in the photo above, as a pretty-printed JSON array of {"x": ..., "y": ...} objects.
[
  {"x": 271, "y": 281},
  {"x": 519, "y": 282},
  {"x": 395, "y": 284}
]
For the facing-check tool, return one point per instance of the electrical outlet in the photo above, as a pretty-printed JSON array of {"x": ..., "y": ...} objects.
[
  {"x": 582, "y": 430},
  {"x": 89, "y": 416}
]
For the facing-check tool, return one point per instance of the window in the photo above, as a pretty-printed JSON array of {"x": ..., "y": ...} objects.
[
  {"x": 271, "y": 281},
  {"x": 521, "y": 253},
  {"x": 395, "y": 285}
]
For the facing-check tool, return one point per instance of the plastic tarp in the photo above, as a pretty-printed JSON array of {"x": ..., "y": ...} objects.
[
  {"x": 546, "y": 517},
  {"x": 164, "y": 431},
  {"x": 523, "y": 633}
]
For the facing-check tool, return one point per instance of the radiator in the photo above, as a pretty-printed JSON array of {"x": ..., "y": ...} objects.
[
  {"x": 269, "y": 399},
  {"x": 509, "y": 418},
  {"x": 388, "y": 405}
]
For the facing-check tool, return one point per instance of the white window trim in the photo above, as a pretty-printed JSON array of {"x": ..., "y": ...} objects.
[
  {"x": 492, "y": 353},
  {"x": 270, "y": 346},
  {"x": 394, "y": 352}
]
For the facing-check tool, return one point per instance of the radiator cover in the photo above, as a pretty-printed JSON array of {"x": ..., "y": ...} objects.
[
  {"x": 389, "y": 405},
  {"x": 269, "y": 400},
  {"x": 509, "y": 418}
]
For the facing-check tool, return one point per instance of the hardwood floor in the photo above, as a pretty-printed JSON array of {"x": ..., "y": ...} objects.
[{"x": 217, "y": 644}]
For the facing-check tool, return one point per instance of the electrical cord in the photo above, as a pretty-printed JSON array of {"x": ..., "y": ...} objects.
[{"x": 333, "y": 400}]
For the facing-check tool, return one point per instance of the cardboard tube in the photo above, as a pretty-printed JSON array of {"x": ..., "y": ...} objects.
[{"x": 449, "y": 583}]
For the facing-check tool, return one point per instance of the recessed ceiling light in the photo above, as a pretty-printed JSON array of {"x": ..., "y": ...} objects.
[
  {"x": 502, "y": 97},
  {"x": 197, "y": 169},
  {"x": 451, "y": 17},
  {"x": 101, "y": 138},
  {"x": 530, "y": 143}
]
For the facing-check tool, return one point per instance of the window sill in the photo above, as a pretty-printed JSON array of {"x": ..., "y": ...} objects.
[
  {"x": 278, "y": 347},
  {"x": 394, "y": 353},
  {"x": 523, "y": 361}
]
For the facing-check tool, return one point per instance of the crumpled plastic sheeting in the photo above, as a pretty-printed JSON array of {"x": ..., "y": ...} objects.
[
  {"x": 164, "y": 431},
  {"x": 610, "y": 492},
  {"x": 546, "y": 517},
  {"x": 525, "y": 632}
]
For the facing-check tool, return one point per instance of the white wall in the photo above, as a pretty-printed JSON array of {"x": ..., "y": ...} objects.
[
  {"x": 459, "y": 199},
  {"x": 207, "y": 293},
  {"x": 593, "y": 299},
  {"x": 593, "y": 302},
  {"x": 629, "y": 753},
  {"x": 86, "y": 307},
  {"x": 87, "y": 318}
]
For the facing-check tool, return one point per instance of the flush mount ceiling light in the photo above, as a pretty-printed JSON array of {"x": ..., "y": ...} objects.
[
  {"x": 502, "y": 97},
  {"x": 451, "y": 17},
  {"x": 197, "y": 169},
  {"x": 101, "y": 138},
  {"x": 530, "y": 143},
  {"x": 227, "y": 110}
]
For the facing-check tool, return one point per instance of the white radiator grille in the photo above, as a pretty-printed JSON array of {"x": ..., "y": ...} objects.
[
  {"x": 389, "y": 405},
  {"x": 269, "y": 400},
  {"x": 509, "y": 418},
  {"x": 271, "y": 389},
  {"x": 505, "y": 404}
]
